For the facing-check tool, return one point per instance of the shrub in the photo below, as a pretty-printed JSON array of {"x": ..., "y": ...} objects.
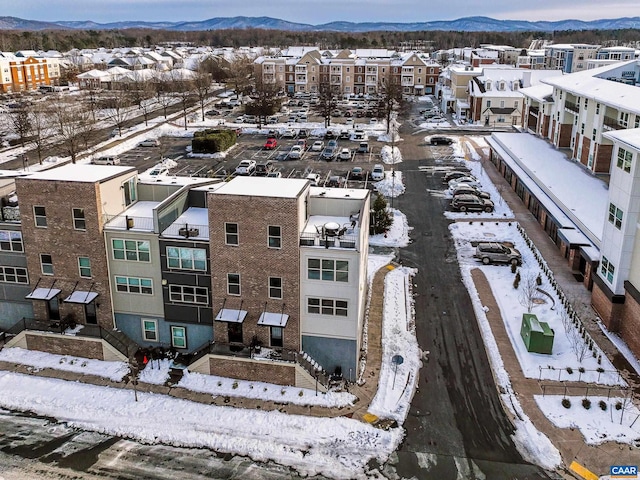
[
  {"x": 566, "y": 403},
  {"x": 300, "y": 393},
  {"x": 219, "y": 384},
  {"x": 581, "y": 369},
  {"x": 586, "y": 403},
  {"x": 600, "y": 370},
  {"x": 513, "y": 268},
  {"x": 235, "y": 385},
  {"x": 283, "y": 391},
  {"x": 570, "y": 370},
  {"x": 618, "y": 405},
  {"x": 212, "y": 141},
  {"x": 538, "y": 280},
  {"x": 516, "y": 281},
  {"x": 603, "y": 405}
]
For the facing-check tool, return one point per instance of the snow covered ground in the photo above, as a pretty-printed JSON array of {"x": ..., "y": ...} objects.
[{"x": 398, "y": 234}]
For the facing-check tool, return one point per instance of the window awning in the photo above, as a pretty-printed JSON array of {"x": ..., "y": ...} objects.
[
  {"x": 273, "y": 319},
  {"x": 81, "y": 297},
  {"x": 43, "y": 293},
  {"x": 231, "y": 315}
]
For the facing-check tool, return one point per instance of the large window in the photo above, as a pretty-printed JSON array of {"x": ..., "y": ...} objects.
[
  {"x": 150, "y": 329},
  {"x": 231, "y": 233},
  {"x": 11, "y": 241},
  {"x": 178, "y": 337},
  {"x": 189, "y": 294},
  {"x": 329, "y": 270},
  {"x": 40, "y": 216},
  {"x": 615, "y": 216},
  {"x": 46, "y": 264},
  {"x": 275, "y": 237},
  {"x": 624, "y": 159},
  {"x": 134, "y": 250},
  {"x": 13, "y": 275},
  {"x": 84, "y": 266},
  {"x": 233, "y": 283},
  {"x": 327, "y": 306},
  {"x": 607, "y": 269},
  {"x": 187, "y": 258},
  {"x": 130, "y": 194},
  {"x": 142, "y": 286},
  {"x": 78, "y": 219},
  {"x": 275, "y": 287},
  {"x": 276, "y": 336}
]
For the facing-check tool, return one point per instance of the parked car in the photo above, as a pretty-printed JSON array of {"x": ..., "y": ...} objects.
[
  {"x": 314, "y": 178},
  {"x": 463, "y": 189},
  {"x": 246, "y": 167},
  {"x": 332, "y": 143},
  {"x": 464, "y": 203},
  {"x": 344, "y": 155},
  {"x": 213, "y": 113},
  {"x": 466, "y": 180},
  {"x": 335, "y": 181},
  {"x": 159, "y": 171},
  {"x": 359, "y": 135},
  {"x": 264, "y": 168},
  {"x": 272, "y": 119},
  {"x": 344, "y": 135},
  {"x": 303, "y": 133},
  {"x": 363, "y": 147},
  {"x": 303, "y": 143},
  {"x": 377, "y": 173},
  {"x": 250, "y": 119},
  {"x": 274, "y": 174},
  {"x": 357, "y": 173},
  {"x": 348, "y": 121},
  {"x": 441, "y": 141},
  {"x": 329, "y": 153},
  {"x": 270, "y": 144},
  {"x": 495, "y": 252},
  {"x": 107, "y": 160},
  {"x": 317, "y": 146},
  {"x": 149, "y": 142},
  {"x": 456, "y": 174},
  {"x": 289, "y": 133},
  {"x": 329, "y": 135},
  {"x": 296, "y": 152}
]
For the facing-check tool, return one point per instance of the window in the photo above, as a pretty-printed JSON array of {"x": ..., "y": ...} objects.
[
  {"x": 150, "y": 330},
  {"x": 327, "y": 306},
  {"x": 329, "y": 270},
  {"x": 276, "y": 337},
  {"x": 130, "y": 194},
  {"x": 134, "y": 250},
  {"x": 189, "y": 294},
  {"x": 615, "y": 216},
  {"x": 233, "y": 283},
  {"x": 623, "y": 119},
  {"x": 40, "y": 216},
  {"x": 582, "y": 129},
  {"x": 142, "y": 286},
  {"x": 231, "y": 233},
  {"x": 13, "y": 275},
  {"x": 11, "y": 241},
  {"x": 187, "y": 258},
  {"x": 501, "y": 103},
  {"x": 84, "y": 265},
  {"x": 275, "y": 287},
  {"x": 46, "y": 264},
  {"x": 624, "y": 159},
  {"x": 515, "y": 104},
  {"x": 178, "y": 337},
  {"x": 78, "y": 219},
  {"x": 586, "y": 103},
  {"x": 488, "y": 103},
  {"x": 275, "y": 237},
  {"x": 607, "y": 269},
  {"x": 597, "y": 108}
]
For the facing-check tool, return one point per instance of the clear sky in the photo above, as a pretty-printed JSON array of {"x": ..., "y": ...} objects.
[{"x": 317, "y": 11}]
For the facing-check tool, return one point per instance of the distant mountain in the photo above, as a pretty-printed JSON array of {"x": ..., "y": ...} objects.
[{"x": 467, "y": 24}]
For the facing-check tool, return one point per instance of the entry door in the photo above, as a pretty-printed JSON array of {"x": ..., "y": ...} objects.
[
  {"x": 90, "y": 314},
  {"x": 53, "y": 309},
  {"x": 235, "y": 332}
]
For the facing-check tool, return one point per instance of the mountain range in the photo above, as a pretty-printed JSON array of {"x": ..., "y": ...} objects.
[{"x": 467, "y": 24}]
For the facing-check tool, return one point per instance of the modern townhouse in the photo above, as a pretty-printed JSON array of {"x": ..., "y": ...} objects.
[
  {"x": 569, "y": 58},
  {"x": 452, "y": 88}
]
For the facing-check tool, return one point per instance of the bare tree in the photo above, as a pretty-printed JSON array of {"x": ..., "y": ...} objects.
[
  {"x": 164, "y": 94},
  {"x": 183, "y": 88},
  {"x": 217, "y": 67},
  {"x": 20, "y": 122},
  {"x": 241, "y": 74},
  {"x": 529, "y": 294},
  {"x": 42, "y": 128},
  {"x": 202, "y": 85},
  {"x": 265, "y": 100},
  {"x": 577, "y": 344},
  {"x": 118, "y": 108},
  {"x": 327, "y": 98},
  {"x": 74, "y": 125},
  {"x": 390, "y": 99},
  {"x": 142, "y": 92}
]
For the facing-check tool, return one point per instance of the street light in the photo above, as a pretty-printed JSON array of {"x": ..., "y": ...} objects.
[{"x": 393, "y": 185}]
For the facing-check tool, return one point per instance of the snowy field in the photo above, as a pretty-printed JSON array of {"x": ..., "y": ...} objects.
[{"x": 398, "y": 234}]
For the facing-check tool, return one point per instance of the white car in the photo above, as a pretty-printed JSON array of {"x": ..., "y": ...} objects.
[
  {"x": 464, "y": 181},
  {"x": 314, "y": 178},
  {"x": 289, "y": 133},
  {"x": 246, "y": 167},
  {"x": 149, "y": 142},
  {"x": 296, "y": 152},
  {"x": 377, "y": 173},
  {"x": 317, "y": 146},
  {"x": 344, "y": 155}
]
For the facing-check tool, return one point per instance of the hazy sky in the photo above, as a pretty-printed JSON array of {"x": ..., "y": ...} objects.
[{"x": 317, "y": 11}]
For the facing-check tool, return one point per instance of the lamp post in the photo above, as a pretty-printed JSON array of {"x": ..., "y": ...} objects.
[{"x": 393, "y": 185}]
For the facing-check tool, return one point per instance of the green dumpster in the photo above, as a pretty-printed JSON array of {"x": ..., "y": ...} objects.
[{"x": 537, "y": 336}]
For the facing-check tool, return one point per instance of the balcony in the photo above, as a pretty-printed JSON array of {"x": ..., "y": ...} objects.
[
  {"x": 187, "y": 230},
  {"x": 301, "y": 79},
  {"x": 126, "y": 222},
  {"x": 612, "y": 124},
  {"x": 571, "y": 106},
  {"x": 320, "y": 241},
  {"x": 534, "y": 111}
]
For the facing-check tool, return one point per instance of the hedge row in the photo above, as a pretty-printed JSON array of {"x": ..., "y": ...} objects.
[{"x": 212, "y": 141}]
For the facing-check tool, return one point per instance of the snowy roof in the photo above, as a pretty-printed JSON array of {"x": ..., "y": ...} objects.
[
  {"x": 230, "y": 315},
  {"x": 76, "y": 172},
  {"x": 263, "y": 187},
  {"x": 542, "y": 93},
  {"x": 630, "y": 137},
  {"x": 273, "y": 319},
  {"x": 197, "y": 221},
  {"x": 353, "y": 193},
  {"x": 141, "y": 213},
  {"x": 79, "y": 296},
  {"x": 43, "y": 294},
  {"x": 556, "y": 181}
]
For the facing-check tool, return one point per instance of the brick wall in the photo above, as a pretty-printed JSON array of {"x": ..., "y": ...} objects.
[
  {"x": 603, "y": 158},
  {"x": 564, "y": 140},
  {"x": 61, "y": 345},
  {"x": 604, "y": 308},
  {"x": 279, "y": 374},
  {"x": 584, "y": 154},
  {"x": 630, "y": 324},
  {"x": 544, "y": 130},
  {"x": 255, "y": 263},
  {"x": 65, "y": 244}
]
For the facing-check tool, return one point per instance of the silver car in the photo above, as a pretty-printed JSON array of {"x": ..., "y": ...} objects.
[{"x": 495, "y": 252}]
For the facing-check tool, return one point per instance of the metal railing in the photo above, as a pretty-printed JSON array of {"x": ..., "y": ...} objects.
[
  {"x": 187, "y": 230},
  {"x": 317, "y": 240},
  {"x": 613, "y": 123},
  {"x": 571, "y": 106},
  {"x": 127, "y": 222}
]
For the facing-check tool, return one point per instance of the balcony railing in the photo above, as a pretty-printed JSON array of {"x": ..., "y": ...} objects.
[
  {"x": 10, "y": 214},
  {"x": 571, "y": 106},
  {"x": 127, "y": 222},
  {"x": 613, "y": 124},
  {"x": 317, "y": 240},
  {"x": 187, "y": 230},
  {"x": 534, "y": 110}
]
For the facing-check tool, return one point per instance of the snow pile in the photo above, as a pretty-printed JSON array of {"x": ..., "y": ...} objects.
[
  {"x": 155, "y": 372},
  {"x": 114, "y": 371},
  {"x": 399, "y": 379},
  {"x": 231, "y": 387},
  {"x": 388, "y": 158},
  {"x": 392, "y": 185},
  {"x": 398, "y": 234}
]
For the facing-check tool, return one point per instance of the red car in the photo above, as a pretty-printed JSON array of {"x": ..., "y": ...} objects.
[{"x": 271, "y": 144}]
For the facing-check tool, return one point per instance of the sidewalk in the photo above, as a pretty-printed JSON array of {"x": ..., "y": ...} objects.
[
  {"x": 364, "y": 393},
  {"x": 569, "y": 442}
]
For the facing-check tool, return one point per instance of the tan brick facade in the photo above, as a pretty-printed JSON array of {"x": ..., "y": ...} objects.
[
  {"x": 256, "y": 262},
  {"x": 630, "y": 323},
  {"x": 65, "y": 345},
  {"x": 564, "y": 139},
  {"x": 609, "y": 312},
  {"x": 603, "y": 158},
  {"x": 242, "y": 369},
  {"x": 65, "y": 244}
]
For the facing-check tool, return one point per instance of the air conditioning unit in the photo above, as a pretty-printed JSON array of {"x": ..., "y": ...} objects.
[{"x": 189, "y": 232}]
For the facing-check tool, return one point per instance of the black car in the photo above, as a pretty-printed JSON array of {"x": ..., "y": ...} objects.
[
  {"x": 441, "y": 141},
  {"x": 303, "y": 133},
  {"x": 329, "y": 135},
  {"x": 263, "y": 169},
  {"x": 455, "y": 174},
  {"x": 464, "y": 203}
]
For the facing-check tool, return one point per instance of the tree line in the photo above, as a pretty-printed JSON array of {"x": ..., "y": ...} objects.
[{"x": 64, "y": 40}]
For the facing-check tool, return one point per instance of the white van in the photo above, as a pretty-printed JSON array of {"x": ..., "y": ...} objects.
[{"x": 108, "y": 160}]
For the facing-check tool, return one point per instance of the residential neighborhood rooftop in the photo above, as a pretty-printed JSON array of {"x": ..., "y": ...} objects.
[
  {"x": 263, "y": 187},
  {"x": 85, "y": 173}
]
